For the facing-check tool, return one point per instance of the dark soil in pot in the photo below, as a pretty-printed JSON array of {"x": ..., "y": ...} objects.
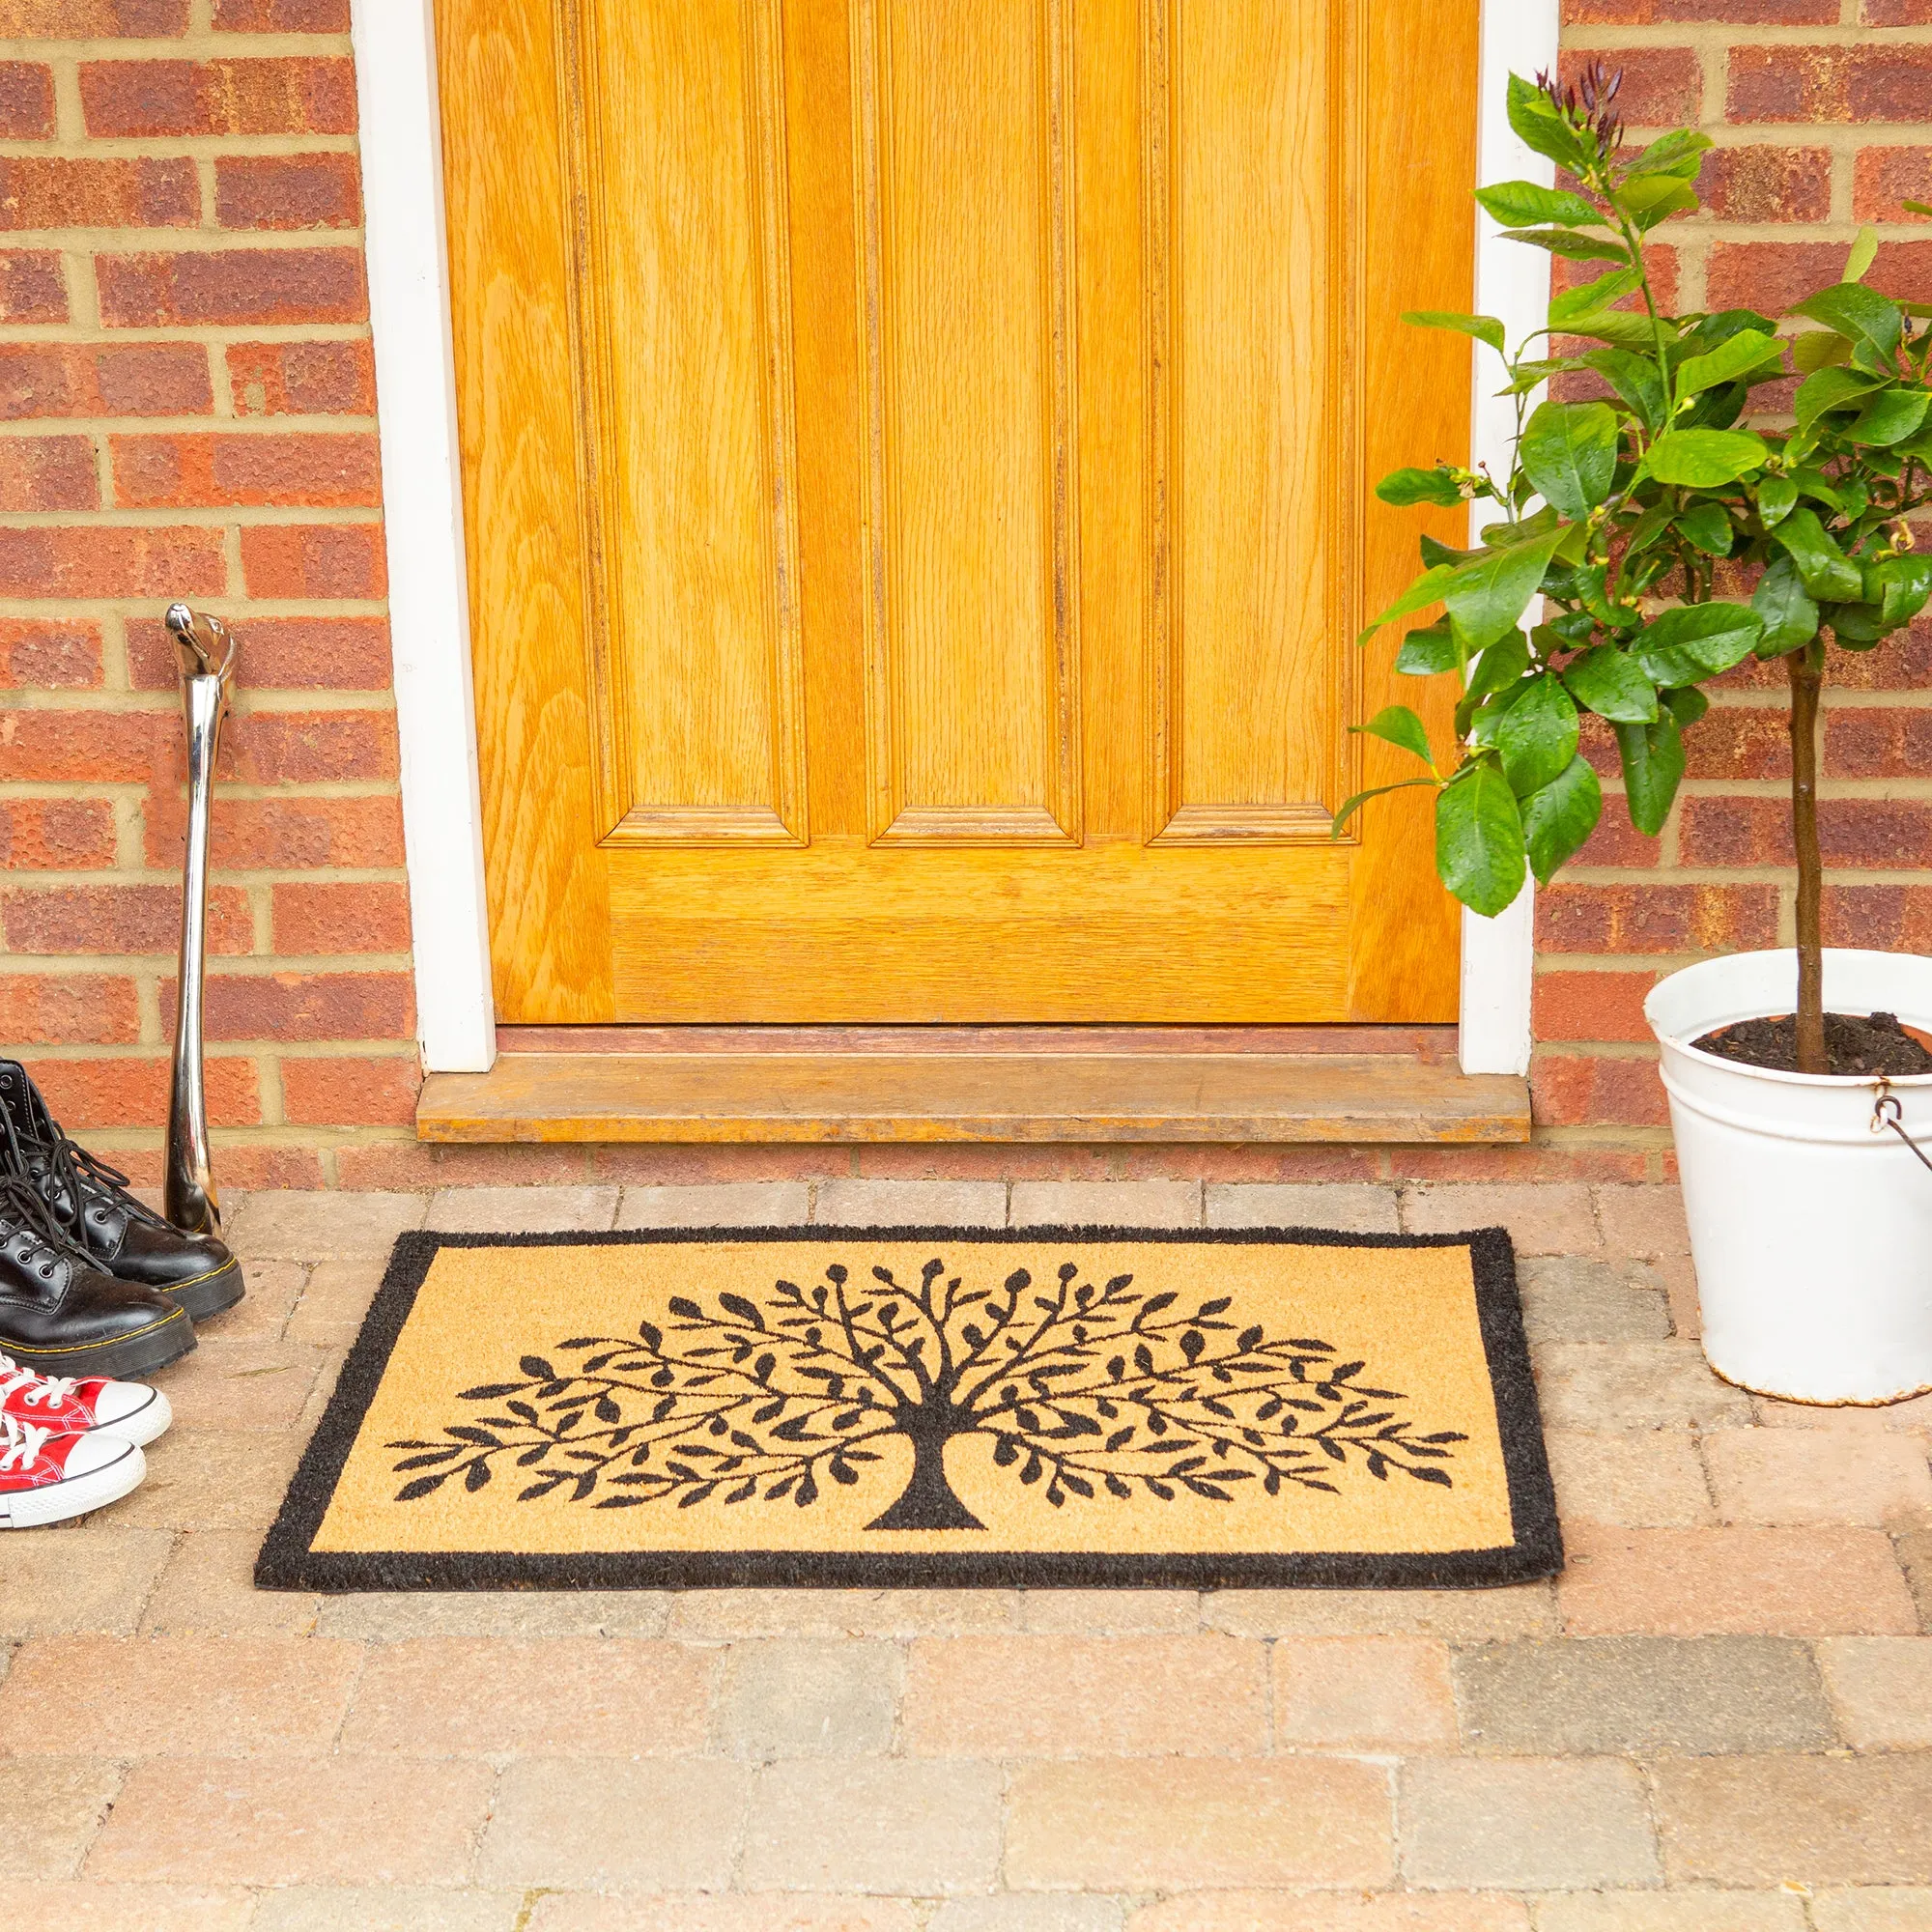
[{"x": 1854, "y": 1044}]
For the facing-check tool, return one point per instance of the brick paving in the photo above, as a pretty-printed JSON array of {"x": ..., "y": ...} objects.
[{"x": 1720, "y": 1720}]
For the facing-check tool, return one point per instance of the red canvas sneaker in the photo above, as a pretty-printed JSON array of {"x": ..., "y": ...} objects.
[
  {"x": 46, "y": 1478},
  {"x": 73, "y": 1404}
]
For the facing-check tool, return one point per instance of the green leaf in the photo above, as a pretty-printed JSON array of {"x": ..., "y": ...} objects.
[
  {"x": 1634, "y": 379},
  {"x": 1484, "y": 327},
  {"x": 1855, "y": 311},
  {"x": 1399, "y": 726},
  {"x": 1568, "y": 452},
  {"x": 1693, "y": 641},
  {"x": 1679, "y": 153},
  {"x": 1478, "y": 849},
  {"x": 1486, "y": 597},
  {"x": 1707, "y": 526},
  {"x": 1891, "y": 417},
  {"x": 1790, "y": 616},
  {"x": 1589, "y": 296},
  {"x": 1776, "y": 498},
  {"x": 1725, "y": 363},
  {"x": 1501, "y": 665},
  {"x": 1863, "y": 252},
  {"x": 1703, "y": 459},
  {"x": 1614, "y": 324},
  {"x": 1538, "y": 734},
  {"x": 1539, "y": 128},
  {"x": 1557, "y": 819},
  {"x": 1656, "y": 196},
  {"x": 1855, "y": 626},
  {"x": 1403, "y": 486},
  {"x": 1653, "y": 761},
  {"x": 1687, "y": 705},
  {"x": 1349, "y": 807},
  {"x": 1819, "y": 487},
  {"x": 1917, "y": 207},
  {"x": 1519, "y": 204},
  {"x": 1428, "y": 650},
  {"x": 1817, "y": 349},
  {"x": 1435, "y": 553},
  {"x": 1609, "y": 682},
  {"x": 1830, "y": 388},
  {"x": 1426, "y": 588},
  {"x": 1902, "y": 585},
  {"x": 1571, "y": 246},
  {"x": 1826, "y": 571}
]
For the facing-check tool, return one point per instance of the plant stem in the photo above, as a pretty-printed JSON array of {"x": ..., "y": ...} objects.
[{"x": 1805, "y": 670}]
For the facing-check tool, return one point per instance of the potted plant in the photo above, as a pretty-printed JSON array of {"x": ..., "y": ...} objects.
[{"x": 1670, "y": 535}]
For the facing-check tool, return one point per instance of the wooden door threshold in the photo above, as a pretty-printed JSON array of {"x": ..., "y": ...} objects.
[{"x": 982, "y": 1084}]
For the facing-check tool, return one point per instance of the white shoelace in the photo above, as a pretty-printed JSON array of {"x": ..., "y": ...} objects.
[
  {"x": 24, "y": 1442},
  {"x": 47, "y": 1391}
]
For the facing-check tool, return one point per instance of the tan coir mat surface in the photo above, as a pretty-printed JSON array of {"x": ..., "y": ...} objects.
[{"x": 928, "y": 1407}]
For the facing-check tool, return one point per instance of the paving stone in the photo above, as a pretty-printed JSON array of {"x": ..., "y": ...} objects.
[
  {"x": 910, "y": 1204},
  {"x": 241, "y": 1386},
  {"x": 738, "y": 1613},
  {"x": 737, "y": 1204},
  {"x": 547, "y": 1697},
  {"x": 1185, "y": 1823},
  {"x": 1641, "y": 1693},
  {"x": 1013, "y": 1912},
  {"x": 1914, "y": 1416},
  {"x": 1199, "y": 1695},
  {"x": 51, "y": 1807},
  {"x": 1341, "y": 1205},
  {"x": 1110, "y": 1612},
  {"x": 1588, "y": 1298},
  {"x": 1886, "y": 1908},
  {"x": 805, "y": 1698},
  {"x": 184, "y": 1696},
  {"x": 325, "y": 1226},
  {"x": 1679, "y": 1278},
  {"x": 1525, "y": 1824},
  {"x": 592, "y": 1823},
  {"x": 208, "y": 1589},
  {"x": 213, "y": 1479},
  {"x": 1363, "y": 1693},
  {"x": 341, "y": 1820},
  {"x": 786, "y": 1912},
  {"x": 334, "y": 1301},
  {"x": 411, "y": 1909},
  {"x": 877, "y": 1824},
  {"x": 1915, "y": 1555},
  {"x": 1816, "y": 1820},
  {"x": 1642, "y": 1220},
  {"x": 1542, "y": 1218},
  {"x": 1671, "y": 1911},
  {"x": 1333, "y": 1912},
  {"x": 91, "y": 1577},
  {"x": 1817, "y": 1475},
  {"x": 1462, "y": 1617},
  {"x": 394, "y": 1616},
  {"x": 1644, "y": 1478},
  {"x": 130, "y": 1908},
  {"x": 1604, "y": 1386},
  {"x": 1881, "y": 1686},
  {"x": 1732, "y": 1582},
  {"x": 1103, "y": 1204},
  {"x": 521, "y": 1211},
  {"x": 261, "y": 1315}
]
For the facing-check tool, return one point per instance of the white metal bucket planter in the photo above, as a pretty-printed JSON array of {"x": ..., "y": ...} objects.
[{"x": 1810, "y": 1219}]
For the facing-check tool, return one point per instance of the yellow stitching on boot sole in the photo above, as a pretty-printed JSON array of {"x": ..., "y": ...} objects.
[{"x": 91, "y": 1347}]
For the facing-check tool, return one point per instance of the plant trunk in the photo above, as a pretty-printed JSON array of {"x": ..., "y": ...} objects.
[
  {"x": 927, "y": 1501},
  {"x": 1807, "y": 671}
]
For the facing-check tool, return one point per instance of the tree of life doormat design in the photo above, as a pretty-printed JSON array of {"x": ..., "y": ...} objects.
[{"x": 928, "y": 1407}]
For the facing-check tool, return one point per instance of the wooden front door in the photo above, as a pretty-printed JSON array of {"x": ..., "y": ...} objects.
[{"x": 916, "y": 463}]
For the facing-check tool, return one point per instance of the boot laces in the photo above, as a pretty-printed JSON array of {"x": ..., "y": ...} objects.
[
  {"x": 24, "y": 1442},
  {"x": 46, "y": 1391},
  {"x": 24, "y": 1210},
  {"x": 69, "y": 1168}
]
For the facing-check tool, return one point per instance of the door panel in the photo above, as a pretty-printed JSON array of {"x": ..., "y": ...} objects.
[{"x": 958, "y": 517}]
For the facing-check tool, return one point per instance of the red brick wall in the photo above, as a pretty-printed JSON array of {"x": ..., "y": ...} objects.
[{"x": 186, "y": 410}]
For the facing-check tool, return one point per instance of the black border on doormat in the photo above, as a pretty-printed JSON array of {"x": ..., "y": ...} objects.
[{"x": 288, "y": 1562}]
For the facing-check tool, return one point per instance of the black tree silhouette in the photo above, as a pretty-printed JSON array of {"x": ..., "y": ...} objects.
[{"x": 1091, "y": 1390}]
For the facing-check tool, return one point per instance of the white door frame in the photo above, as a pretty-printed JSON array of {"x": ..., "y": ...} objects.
[{"x": 422, "y": 515}]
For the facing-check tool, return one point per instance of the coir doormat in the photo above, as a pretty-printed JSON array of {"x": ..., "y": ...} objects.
[{"x": 936, "y": 1405}]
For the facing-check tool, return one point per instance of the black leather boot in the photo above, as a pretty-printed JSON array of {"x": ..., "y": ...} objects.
[
  {"x": 90, "y": 1201},
  {"x": 61, "y": 1315}
]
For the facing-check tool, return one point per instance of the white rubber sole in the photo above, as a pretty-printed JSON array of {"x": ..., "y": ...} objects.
[
  {"x": 149, "y": 1421},
  {"x": 32, "y": 1509}
]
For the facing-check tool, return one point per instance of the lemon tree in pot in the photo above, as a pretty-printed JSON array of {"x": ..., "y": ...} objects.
[{"x": 1643, "y": 543}]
